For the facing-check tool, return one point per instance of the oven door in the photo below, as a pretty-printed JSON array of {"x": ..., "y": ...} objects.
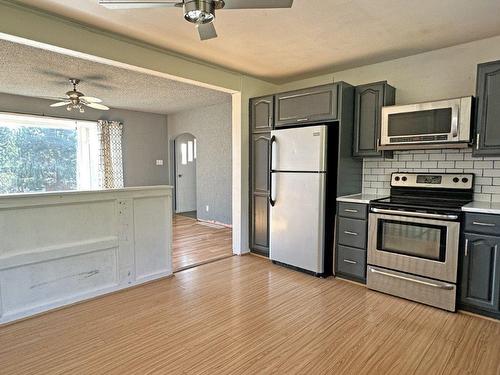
[
  {"x": 444, "y": 121},
  {"x": 417, "y": 245}
]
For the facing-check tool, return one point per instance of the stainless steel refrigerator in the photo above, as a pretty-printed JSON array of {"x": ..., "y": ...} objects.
[{"x": 298, "y": 197}]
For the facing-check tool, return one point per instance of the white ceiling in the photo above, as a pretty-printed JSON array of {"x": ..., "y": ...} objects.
[
  {"x": 314, "y": 36},
  {"x": 35, "y": 72}
]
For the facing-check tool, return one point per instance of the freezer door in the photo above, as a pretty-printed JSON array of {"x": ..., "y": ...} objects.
[
  {"x": 297, "y": 220},
  {"x": 299, "y": 149}
]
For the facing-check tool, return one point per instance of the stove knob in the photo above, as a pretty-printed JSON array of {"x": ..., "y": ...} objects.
[
  {"x": 396, "y": 178},
  {"x": 456, "y": 179},
  {"x": 404, "y": 179},
  {"x": 465, "y": 180}
]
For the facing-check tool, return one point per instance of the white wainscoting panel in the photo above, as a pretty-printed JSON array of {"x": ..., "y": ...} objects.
[{"x": 61, "y": 248}]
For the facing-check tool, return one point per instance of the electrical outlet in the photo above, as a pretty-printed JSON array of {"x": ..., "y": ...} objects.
[
  {"x": 159, "y": 162},
  {"x": 207, "y": 208}
]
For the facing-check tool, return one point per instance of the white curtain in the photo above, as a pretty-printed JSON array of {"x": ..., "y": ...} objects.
[{"x": 110, "y": 155}]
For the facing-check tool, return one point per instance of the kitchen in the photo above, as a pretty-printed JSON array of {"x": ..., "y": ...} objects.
[{"x": 417, "y": 189}]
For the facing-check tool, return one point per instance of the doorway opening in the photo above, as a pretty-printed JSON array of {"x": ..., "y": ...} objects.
[{"x": 185, "y": 155}]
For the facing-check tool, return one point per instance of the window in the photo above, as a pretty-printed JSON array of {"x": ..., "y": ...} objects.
[
  {"x": 190, "y": 151},
  {"x": 184, "y": 159},
  {"x": 47, "y": 154}
]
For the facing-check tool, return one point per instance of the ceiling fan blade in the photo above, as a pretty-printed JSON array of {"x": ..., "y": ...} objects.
[
  {"x": 60, "y": 104},
  {"x": 102, "y": 107},
  {"x": 91, "y": 99},
  {"x": 257, "y": 4},
  {"x": 134, "y": 4},
  {"x": 206, "y": 31}
]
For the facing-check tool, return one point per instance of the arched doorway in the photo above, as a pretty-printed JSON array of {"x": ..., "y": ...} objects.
[{"x": 185, "y": 174}]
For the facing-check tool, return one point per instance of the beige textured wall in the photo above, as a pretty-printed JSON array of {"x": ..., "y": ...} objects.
[{"x": 212, "y": 128}]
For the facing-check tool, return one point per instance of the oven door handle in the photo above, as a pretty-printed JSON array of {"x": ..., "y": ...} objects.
[
  {"x": 415, "y": 214},
  {"x": 434, "y": 285}
]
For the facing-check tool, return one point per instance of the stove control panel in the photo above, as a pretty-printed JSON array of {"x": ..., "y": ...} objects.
[{"x": 460, "y": 181}]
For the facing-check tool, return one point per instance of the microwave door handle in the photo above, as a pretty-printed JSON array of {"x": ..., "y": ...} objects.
[{"x": 454, "y": 121}]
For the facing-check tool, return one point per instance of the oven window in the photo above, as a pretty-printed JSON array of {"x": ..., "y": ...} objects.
[
  {"x": 413, "y": 239},
  {"x": 435, "y": 121}
]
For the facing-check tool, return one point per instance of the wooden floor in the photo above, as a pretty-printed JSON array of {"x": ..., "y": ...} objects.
[
  {"x": 243, "y": 315},
  {"x": 195, "y": 242}
]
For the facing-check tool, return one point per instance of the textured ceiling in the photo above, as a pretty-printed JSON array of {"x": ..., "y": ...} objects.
[
  {"x": 314, "y": 36},
  {"x": 35, "y": 72}
]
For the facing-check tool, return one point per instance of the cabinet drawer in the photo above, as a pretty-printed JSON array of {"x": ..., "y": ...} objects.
[
  {"x": 353, "y": 210},
  {"x": 482, "y": 223},
  {"x": 352, "y": 232},
  {"x": 351, "y": 261}
]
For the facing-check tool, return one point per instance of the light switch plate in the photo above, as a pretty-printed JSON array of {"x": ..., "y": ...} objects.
[{"x": 159, "y": 162}]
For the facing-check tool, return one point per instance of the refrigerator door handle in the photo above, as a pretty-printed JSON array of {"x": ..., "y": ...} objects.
[{"x": 272, "y": 195}]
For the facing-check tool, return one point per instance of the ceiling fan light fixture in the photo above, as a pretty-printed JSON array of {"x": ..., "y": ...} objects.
[{"x": 199, "y": 11}]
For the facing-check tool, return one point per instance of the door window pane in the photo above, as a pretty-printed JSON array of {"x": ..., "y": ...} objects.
[
  {"x": 184, "y": 153},
  {"x": 190, "y": 151}
]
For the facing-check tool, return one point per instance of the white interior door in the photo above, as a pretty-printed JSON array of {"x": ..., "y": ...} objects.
[{"x": 185, "y": 173}]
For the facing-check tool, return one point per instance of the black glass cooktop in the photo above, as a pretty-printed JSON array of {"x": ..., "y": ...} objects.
[{"x": 421, "y": 203}]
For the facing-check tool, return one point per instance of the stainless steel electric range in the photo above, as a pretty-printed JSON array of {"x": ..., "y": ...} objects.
[{"x": 414, "y": 237}]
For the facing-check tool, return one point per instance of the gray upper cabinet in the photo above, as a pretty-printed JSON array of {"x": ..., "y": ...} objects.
[
  {"x": 480, "y": 287},
  {"x": 310, "y": 105},
  {"x": 261, "y": 124},
  {"x": 260, "y": 163},
  {"x": 487, "y": 140},
  {"x": 368, "y": 102},
  {"x": 262, "y": 114}
]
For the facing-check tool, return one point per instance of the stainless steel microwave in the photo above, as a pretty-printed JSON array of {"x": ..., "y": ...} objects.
[{"x": 443, "y": 123}]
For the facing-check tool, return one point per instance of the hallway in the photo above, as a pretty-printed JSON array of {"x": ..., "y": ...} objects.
[{"x": 195, "y": 242}]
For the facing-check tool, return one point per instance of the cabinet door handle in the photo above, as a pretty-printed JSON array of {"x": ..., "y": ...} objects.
[
  {"x": 483, "y": 224},
  {"x": 466, "y": 247},
  {"x": 302, "y": 119},
  {"x": 350, "y": 261},
  {"x": 477, "y": 141},
  {"x": 350, "y": 233},
  {"x": 351, "y": 210}
]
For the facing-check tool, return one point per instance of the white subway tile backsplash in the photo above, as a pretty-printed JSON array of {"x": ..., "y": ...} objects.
[
  {"x": 491, "y": 189},
  {"x": 421, "y": 157},
  {"x": 405, "y": 157},
  {"x": 464, "y": 164},
  {"x": 484, "y": 181},
  {"x": 446, "y": 164},
  {"x": 458, "y": 156},
  {"x": 429, "y": 164},
  {"x": 413, "y": 164},
  {"x": 377, "y": 172},
  {"x": 437, "y": 157},
  {"x": 483, "y": 164},
  {"x": 491, "y": 172}
]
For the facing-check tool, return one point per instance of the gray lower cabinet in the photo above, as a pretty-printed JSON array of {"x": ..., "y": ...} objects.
[
  {"x": 480, "y": 274},
  {"x": 351, "y": 241},
  {"x": 487, "y": 140},
  {"x": 368, "y": 102},
  {"x": 314, "y": 104},
  {"x": 261, "y": 114}
]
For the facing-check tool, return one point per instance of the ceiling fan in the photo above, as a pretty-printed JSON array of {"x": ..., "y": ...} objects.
[
  {"x": 199, "y": 12},
  {"x": 77, "y": 100}
]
